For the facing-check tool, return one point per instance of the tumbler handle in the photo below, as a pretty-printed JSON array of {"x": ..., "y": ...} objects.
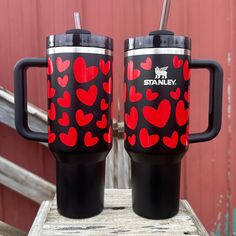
[
  {"x": 215, "y": 100},
  {"x": 20, "y": 91}
]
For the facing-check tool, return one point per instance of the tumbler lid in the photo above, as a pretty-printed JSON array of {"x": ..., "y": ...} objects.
[
  {"x": 78, "y": 31},
  {"x": 79, "y": 37},
  {"x": 158, "y": 39},
  {"x": 161, "y": 32}
]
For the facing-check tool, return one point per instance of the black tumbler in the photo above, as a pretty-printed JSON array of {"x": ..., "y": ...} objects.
[
  {"x": 79, "y": 69},
  {"x": 156, "y": 93}
]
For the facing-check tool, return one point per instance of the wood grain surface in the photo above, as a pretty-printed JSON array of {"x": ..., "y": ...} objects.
[{"x": 117, "y": 218}]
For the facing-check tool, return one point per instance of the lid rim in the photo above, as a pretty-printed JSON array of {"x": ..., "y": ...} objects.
[
  {"x": 157, "y": 41},
  {"x": 157, "y": 51},
  {"x": 80, "y": 40}
]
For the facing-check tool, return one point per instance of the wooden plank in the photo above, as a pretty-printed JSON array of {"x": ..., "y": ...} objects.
[
  {"x": 40, "y": 219},
  {"x": 31, "y": 156},
  {"x": 25, "y": 182},
  {"x": 8, "y": 230},
  {"x": 195, "y": 218},
  {"x": 117, "y": 218},
  {"x": 123, "y": 165},
  {"x": 110, "y": 177},
  {"x": 37, "y": 117},
  {"x": 8, "y": 97}
]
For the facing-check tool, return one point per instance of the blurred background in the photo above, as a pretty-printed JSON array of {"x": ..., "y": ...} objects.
[{"x": 208, "y": 178}]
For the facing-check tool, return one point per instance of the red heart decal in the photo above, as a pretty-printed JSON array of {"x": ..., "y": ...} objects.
[
  {"x": 132, "y": 139},
  {"x": 51, "y": 91},
  {"x": 64, "y": 120},
  {"x": 133, "y": 95},
  {"x": 103, "y": 104},
  {"x": 131, "y": 119},
  {"x": 186, "y": 70},
  {"x": 186, "y": 96},
  {"x": 82, "y": 73},
  {"x": 52, "y": 112},
  {"x": 147, "y": 65},
  {"x": 132, "y": 73},
  {"x": 184, "y": 140},
  {"x": 125, "y": 136},
  {"x": 147, "y": 140},
  {"x": 87, "y": 97},
  {"x": 160, "y": 116},
  {"x": 51, "y": 136},
  {"x": 50, "y": 67},
  {"x": 70, "y": 138},
  {"x": 177, "y": 62},
  {"x": 181, "y": 114},
  {"x": 102, "y": 124},
  {"x": 104, "y": 66},
  {"x": 108, "y": 86},
  {"x": 65, "y": 100},
  {"x": 62, "y": 65},
  {"x": 175, "y": 94},
  {"x": 125, "y": 89},
  {"x": 83, "y": 119},
  {"x": 108, "y": 136},
  {"x": 62, "y": 81},
  {"x": 172, "y": 141},
  {"x": 89, "y": 140},
  {"x": 151, "y": 95}
]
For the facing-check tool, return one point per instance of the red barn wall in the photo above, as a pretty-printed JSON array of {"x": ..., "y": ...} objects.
[{"x": 208, "y": 173}]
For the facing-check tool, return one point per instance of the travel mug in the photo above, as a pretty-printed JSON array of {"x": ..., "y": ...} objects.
[
  {"x": 79, "y": 72},
  {"x": 156, "y": 94}
]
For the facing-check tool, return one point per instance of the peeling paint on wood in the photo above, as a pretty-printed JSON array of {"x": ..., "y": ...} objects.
[{"x": 234, "y": 221}]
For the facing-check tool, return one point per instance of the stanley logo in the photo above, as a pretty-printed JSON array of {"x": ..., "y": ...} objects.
[{"x": 160, "y": 78}]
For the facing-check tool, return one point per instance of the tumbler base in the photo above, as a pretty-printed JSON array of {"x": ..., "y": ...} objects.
[
  {"x": 155, "y": 190},
  {"x": 80, "y": 189}
]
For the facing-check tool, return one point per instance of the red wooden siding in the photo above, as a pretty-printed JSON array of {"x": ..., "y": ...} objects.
[{"x": 208, "y": 173}]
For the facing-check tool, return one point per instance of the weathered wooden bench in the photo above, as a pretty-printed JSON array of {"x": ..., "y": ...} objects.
[{"x": 116, "y": 219}]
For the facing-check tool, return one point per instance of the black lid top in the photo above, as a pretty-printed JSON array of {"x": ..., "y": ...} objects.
[
  {"x": 158, "y": 39},
  {"x": 81, "y": 38},
  {"x": 78, "y": 31}
]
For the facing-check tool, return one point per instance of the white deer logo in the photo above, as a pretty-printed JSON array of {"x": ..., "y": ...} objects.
[{"x": 161, "y": 72}]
